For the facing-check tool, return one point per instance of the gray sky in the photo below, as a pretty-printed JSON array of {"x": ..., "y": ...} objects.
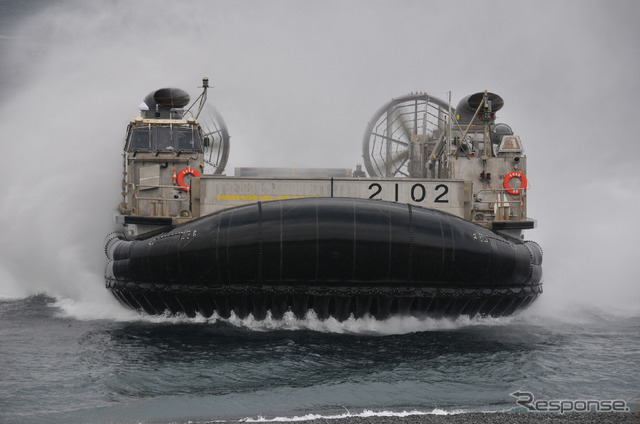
[{"x": 297, "y": 81}]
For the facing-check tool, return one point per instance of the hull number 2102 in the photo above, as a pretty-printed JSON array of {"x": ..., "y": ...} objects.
[{"x": 418, "y": 192}]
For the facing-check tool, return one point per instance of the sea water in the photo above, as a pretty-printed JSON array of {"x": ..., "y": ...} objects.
[{"x": 57, "y": 367}]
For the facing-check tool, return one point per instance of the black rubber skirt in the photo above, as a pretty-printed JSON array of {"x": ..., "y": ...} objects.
[{"x": 335, "y": 256}]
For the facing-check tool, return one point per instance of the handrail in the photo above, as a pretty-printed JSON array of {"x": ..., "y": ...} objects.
[
  {"x": 136, "y": 197},
  {"x": 495, "y": 190},
  {"x": 503, "y": 201},
  {"x": 177, "y": 187}
]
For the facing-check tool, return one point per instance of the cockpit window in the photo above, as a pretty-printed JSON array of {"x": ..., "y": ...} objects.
[
  {"x": 187, "y": 139},
  {"x": 165, "y": 138},
  {"x": 140, "y": 139}
]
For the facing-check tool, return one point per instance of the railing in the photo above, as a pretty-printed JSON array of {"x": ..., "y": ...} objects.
[
  {"x": 501, "y": 207},
  {"x": 163, "y": 200}
]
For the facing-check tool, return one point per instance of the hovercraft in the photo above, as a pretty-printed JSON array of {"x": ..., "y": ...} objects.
[{"x": 435, "y": 229}]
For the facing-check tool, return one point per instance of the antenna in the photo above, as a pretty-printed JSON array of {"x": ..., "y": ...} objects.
[{"x": 202, "y": 98}]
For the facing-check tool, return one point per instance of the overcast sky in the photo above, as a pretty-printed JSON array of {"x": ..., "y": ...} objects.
[{"x": 297, "y": 82}]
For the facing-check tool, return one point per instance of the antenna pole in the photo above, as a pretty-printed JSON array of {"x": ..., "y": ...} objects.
[
  {"x": 449, "y": 135},
  {"x": 203, "y": 96}
]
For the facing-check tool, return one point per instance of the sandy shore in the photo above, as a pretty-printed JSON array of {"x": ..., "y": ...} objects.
[{"x": 498, "y": 417}]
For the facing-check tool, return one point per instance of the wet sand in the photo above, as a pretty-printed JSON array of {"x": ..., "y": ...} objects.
[{"x": 497, "y": 417}]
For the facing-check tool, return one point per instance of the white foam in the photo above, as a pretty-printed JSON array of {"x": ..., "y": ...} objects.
[
  {"x": 109, "y": 309},
  {"x": 367, "y": 413},
  {"x": 97, "y": 310},
  {"x": 364, "y": 325}
]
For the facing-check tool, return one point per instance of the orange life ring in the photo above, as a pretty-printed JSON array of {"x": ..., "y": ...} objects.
[
  {"x": 182, "y": 174},
  {"x": 507, "y": 180}
]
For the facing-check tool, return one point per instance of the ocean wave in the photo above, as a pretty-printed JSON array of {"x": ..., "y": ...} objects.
[{"x": 367, "y": 413}]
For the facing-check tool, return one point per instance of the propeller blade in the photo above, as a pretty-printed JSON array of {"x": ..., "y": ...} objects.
[{"x": 406, "y": 129}]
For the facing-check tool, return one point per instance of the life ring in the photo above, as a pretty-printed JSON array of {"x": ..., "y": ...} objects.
[
  {"x": 507, "y": 180},
  {"x": 181, "y": 176}
]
